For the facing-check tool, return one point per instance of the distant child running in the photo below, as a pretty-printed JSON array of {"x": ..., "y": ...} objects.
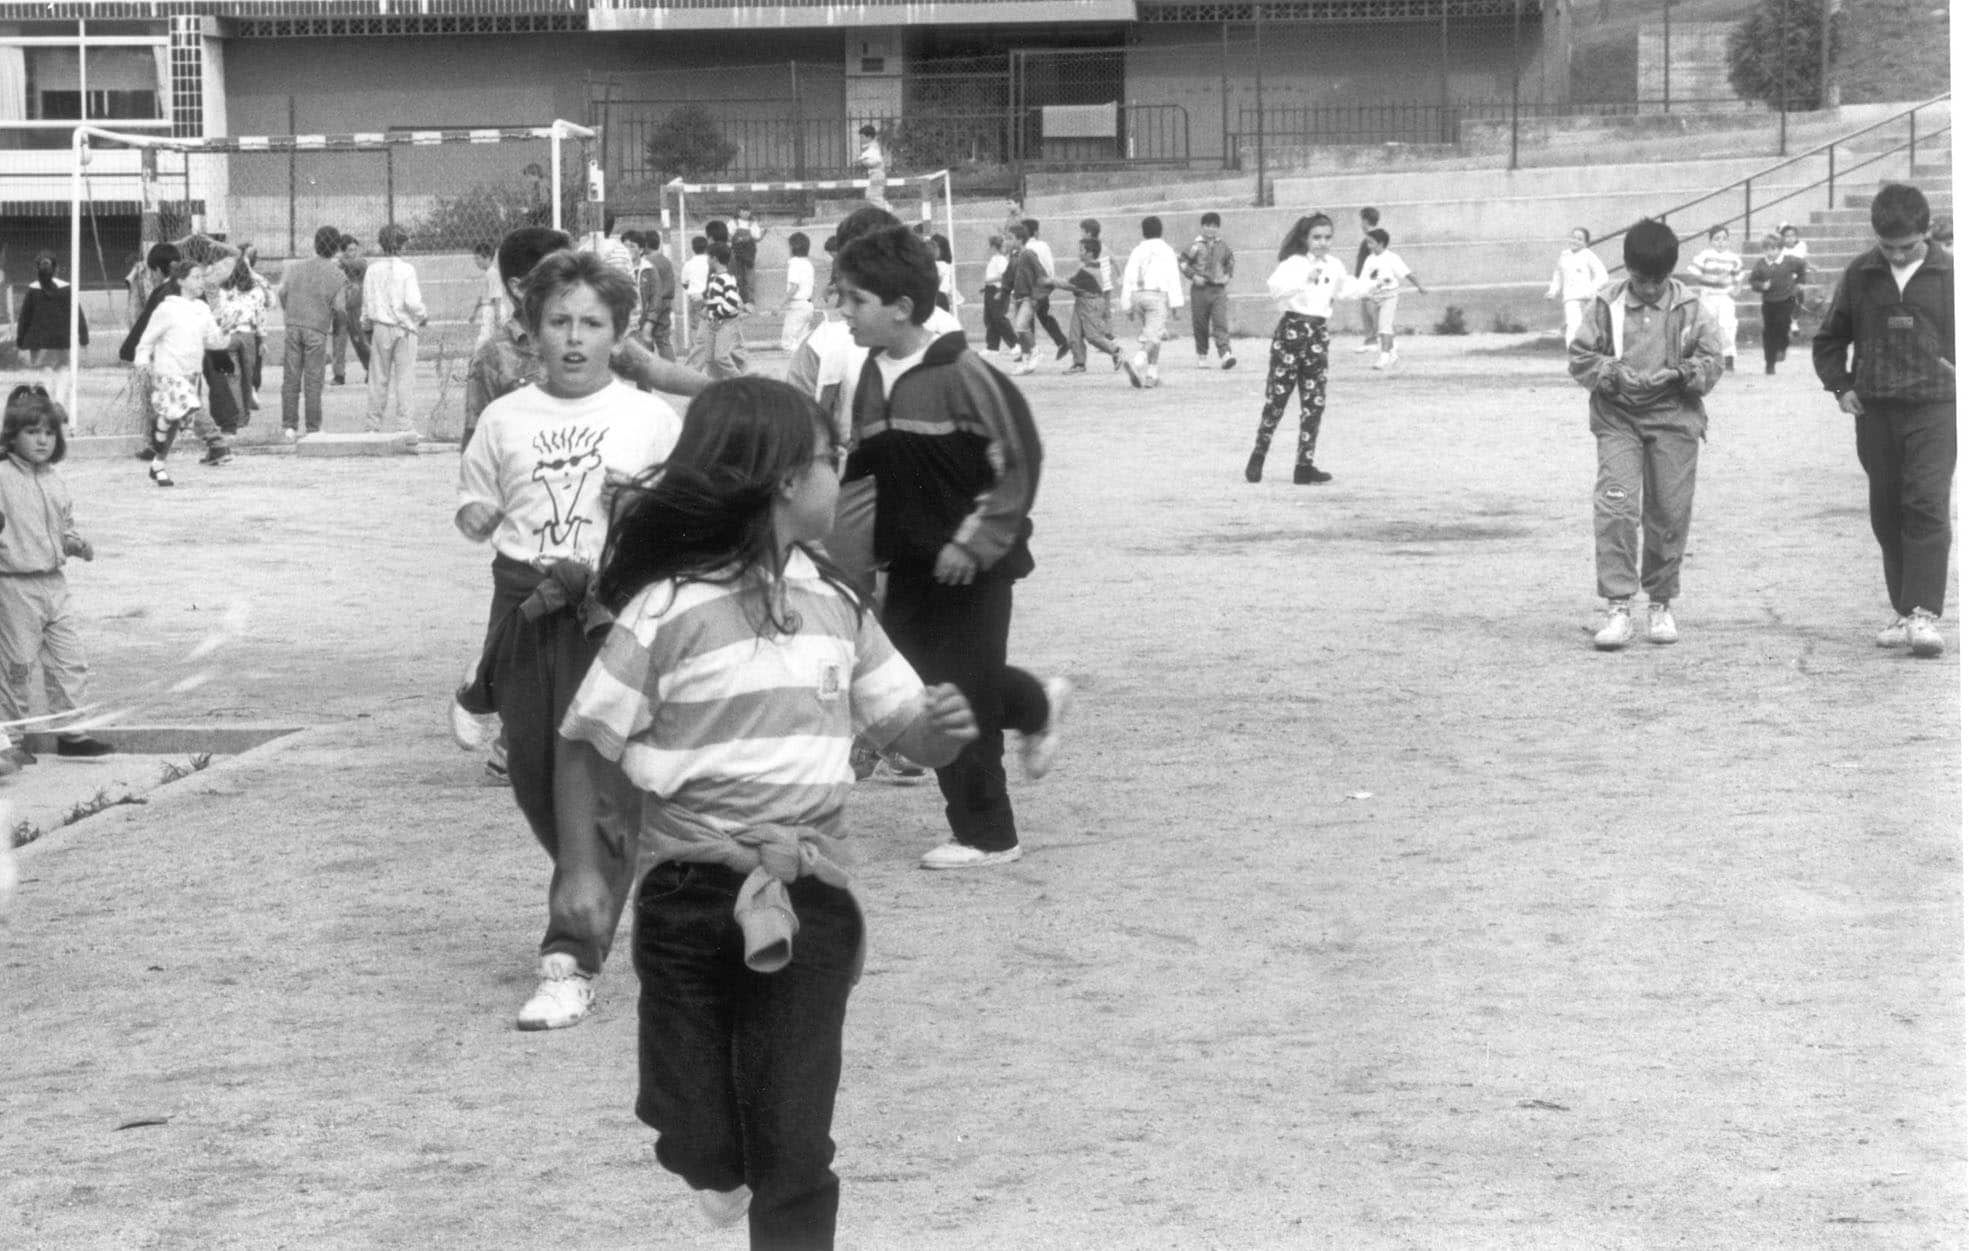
[
  {"x": 1305, "y": 284},
  {"x": 1090, "y": 309},
  {"x": 738, "y": 671},
  {"x": 1383, "y": 275},
  {"x": 1210, "y": 263},
  {"x": 798, "y": 316},
  {"x": 1718, "y": 271},
  {"x": 535, "y": 483},
  {"x": 1152, "y": 288},
  {"x": 1577, "y": 279},
  {"x": 723, "y": 348},
  {"x": 172, "y": 352},
  {"x": 955, "y": 457},
  {"x": 1777, "y": 278},
  {"x": 37, "y": 625},
  {"x": 1370, "y": 218},
  {"x": 1648, "y": 351},
  {"x": 1886, "y": 351}
]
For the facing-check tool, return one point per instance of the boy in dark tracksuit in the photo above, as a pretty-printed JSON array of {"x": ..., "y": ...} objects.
[
  {"x": 1648, "y": 352},
  {"x": 1886, "y": 351},
  {"x": 955, "y": 457}
]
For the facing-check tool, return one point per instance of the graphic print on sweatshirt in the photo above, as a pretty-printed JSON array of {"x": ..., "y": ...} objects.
[{"x": 566, "y": 460}]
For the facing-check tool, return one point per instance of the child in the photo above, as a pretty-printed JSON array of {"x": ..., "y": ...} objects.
[
  {"x": 656, "y": 288},
  {"x": 1370, "y": 220},
  {"x": 36, "y": 625},
  {"x": 534, "y": 483},
  {"x": 746, "y": 235},
  {"x": 997, "y": 295},
  {"x": 955, "y": 457},
  {"x": 172, "y": 351},
  {"x": 1648, "y": 352},
  {"x": 1151, "y": 287},
  {"x": 244, "y": 301},
  {"x": 1777, "y": 276},
  {"x": 875, "y": 166},
  {"x": 1028, "y": 279},
  {"x": 1718, "y": 271},
  {"x": 310, "y": 291},
  {"x": 1305, "y": 284},
  {"x": 41, "y": 330},
  {"x": 1794, "y": 245},
  {"x": 1209, "y": 264},
  {"x": 492, "y": 308},
  {"x": 1090, "y": 228},
  {"x": 948, "y": 297},
  {"x": 1383, "y": 274},
  {"x": 738, "y": 670},
  {"x": 1090, "y": 310},
  {"x": 1042, "y": 299},
  {"x": 1886, "y": 351},
  {"x": 1576, "y": 279},
  {"x": 799, "y": 314},
  {"x": 348, "y": 311},
  {"x": 695, "y": 273},
  {"x": 392, "y": 314},
  {"x": 724, "y": 347}
]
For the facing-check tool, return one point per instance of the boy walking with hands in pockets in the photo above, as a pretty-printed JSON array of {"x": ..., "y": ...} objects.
[{"x": 1648, "y": 351}]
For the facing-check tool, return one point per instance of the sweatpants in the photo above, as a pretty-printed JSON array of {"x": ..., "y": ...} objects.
[
  {"x": 37, "y": 625},
  {"x": 1723, "y": 305},
  {"x": 1090, "y": 326},
  {"x": 1908, "y": 451},
  {"x": 1210, "y": 317},
  {"x": 1299, "y": 350},
  {"x": 958, "y": 634},
  {"x": 1777, "y": 329},
  {"x": 392, "y": 375},
  {"x": 1646, "y": 483}
]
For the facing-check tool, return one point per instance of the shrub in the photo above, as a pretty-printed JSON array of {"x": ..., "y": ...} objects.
[
  {"x": 687, "y": 144},
  {"x": 1452, "y": 322},
  {"x": 1774, "y": 53},
  {"x": 1502, "y": 322}
]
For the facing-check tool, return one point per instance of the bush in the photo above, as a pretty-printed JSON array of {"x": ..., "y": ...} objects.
[
  {"x": 484, "y": 213},
  {"x": 1452, "y": 322},
  {"x": 687, "y": 144},
  {"x": 1774, "y": 53},
  {"x": 1502, "y": 322}
]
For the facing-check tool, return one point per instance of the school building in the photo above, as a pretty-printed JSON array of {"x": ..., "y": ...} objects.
[{"x": 976, "y": 84}]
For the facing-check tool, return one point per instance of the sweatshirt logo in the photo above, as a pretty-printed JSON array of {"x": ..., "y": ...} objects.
[{"x": 565, "y": 461}]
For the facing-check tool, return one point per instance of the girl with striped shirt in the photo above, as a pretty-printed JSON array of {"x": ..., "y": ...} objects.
[{"x": 738, "y": 671}]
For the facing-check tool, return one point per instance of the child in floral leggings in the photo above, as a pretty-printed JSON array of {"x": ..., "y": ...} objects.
[{"x": 1305, "y": 284}]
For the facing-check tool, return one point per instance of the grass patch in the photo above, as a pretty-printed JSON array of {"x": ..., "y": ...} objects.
[{"x": 25, "y": 832}]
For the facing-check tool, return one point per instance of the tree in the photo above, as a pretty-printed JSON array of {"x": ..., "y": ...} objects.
[
  {"x": 688, "y": 144},
  {"x": 1774, "y": 54}
]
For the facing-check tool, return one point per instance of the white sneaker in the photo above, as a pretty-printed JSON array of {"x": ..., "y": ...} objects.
[
  {"x": 564, "y": 996},
  {"x": 1134, "y": 367},
  {"x": 1381, "y": 361},
  {"x": 955, "y": 855},
  {"x": 1036, "y": 751},
  {"x": 1364, "y": 347},
  {"x": 472, "y": 731},
  {"x": 1661, "y": 624},
  {"x": 1894, "y": 635},
  {"x": 724, "y": 1208},
  {"x": 1394, "y": 358},
  {"x": 1203, "y": 362},
  {"x": 1024, "y": 365},
  {"x": 1923, "y": 636},
  {"x": 1619, "y": 630}
]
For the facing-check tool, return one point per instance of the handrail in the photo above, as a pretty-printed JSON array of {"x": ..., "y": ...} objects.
[{"x": 1829, "y": 149}]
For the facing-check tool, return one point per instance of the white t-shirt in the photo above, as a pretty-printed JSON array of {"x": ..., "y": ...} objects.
[
  {"x": 894, "y": 367},
  {"x": 542, "y": 462},
  {"x": 1578, "y": 275},
  {"x": 1383, "y": 274},
  {"x": 799, "y": 280},
  {"x": 1302, "y": 284},
  {"x": 839, "y": 359},
  {"x": 1045, "y": 254},
  {"x": 696, "y": 272}
]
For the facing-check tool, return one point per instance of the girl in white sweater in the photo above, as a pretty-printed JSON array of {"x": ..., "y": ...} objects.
[{"x": 172, "y": 354}]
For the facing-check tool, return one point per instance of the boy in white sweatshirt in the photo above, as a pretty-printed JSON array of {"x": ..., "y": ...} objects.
[{"x": 171, "y": 357}]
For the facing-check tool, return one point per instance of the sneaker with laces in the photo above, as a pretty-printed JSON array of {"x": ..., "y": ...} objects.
[
  {"x": 1894, "y": 635},
  {"x": 470, "y": 730},
  {"x": 956, "y": 855},
  {"x": 1618, "y": 632},
  {"x": 1037, "y": 751},
  {"x": 722, "y": 1209},
  {"x": 564, "y": 996},
  {"x": 1924, "y": 636},
  {"x": 1661, "y": 623}
]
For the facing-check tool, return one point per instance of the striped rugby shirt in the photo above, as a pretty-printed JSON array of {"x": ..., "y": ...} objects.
[{"x": 725, "y": 730}]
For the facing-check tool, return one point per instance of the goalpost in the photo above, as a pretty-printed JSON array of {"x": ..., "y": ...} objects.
[
  {"x": 929, "y": 184},
  {"x": 210, "y": 168}
]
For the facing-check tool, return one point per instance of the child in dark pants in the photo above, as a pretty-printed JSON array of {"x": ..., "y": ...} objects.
[
  {"x": 1886, "y": 351},
  {"x": 955, "y": 458},
  {"x": 740, "y": 667},
  {"x": 1777, "y": 277}
]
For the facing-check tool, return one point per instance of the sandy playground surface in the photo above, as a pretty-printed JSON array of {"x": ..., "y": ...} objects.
[{"x": 1369, "y": 906}]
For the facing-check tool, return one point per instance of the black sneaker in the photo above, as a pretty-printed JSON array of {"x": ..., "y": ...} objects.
[
  {"x": 1063, "y": 353},
  {"x": 1230, "y": 362},
  {"x": 161, "y": 476},
  {"x": 147, "y": 453},
  {"x": 216, "y": 455},
  {"x": 1307, "y": 475},
  {"x": 1254, "y": 469},
  {"x": 82, "y": 747}
]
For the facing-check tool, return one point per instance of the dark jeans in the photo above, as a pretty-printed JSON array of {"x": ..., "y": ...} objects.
[
  {"x": 957, "y": 634},
  {"x": 1777, "y": 329},
  {"x": 997, "y": 319},
  {"x": 303, "y": 360},
  {"x": 528, "y": 673},
  {"x": 222, "y": 395},
  {"x": 1908, "y": 451},
  {"x": 738, "y": 1070},
  {"x": 348, "y": 330},
  {"x": 1042, "y": 308}
]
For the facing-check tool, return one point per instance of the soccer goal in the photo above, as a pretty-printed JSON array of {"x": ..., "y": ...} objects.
[
  {"x": 451, "y": 189},
  {"x": 931, "y": 188}
]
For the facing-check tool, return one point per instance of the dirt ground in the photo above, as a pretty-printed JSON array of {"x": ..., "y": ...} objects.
[{"x": 1369, "y": 906}]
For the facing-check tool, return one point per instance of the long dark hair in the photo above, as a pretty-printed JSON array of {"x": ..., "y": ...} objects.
[
  {"x": 706, "y": 514},
  {"x": 29, "y": 406},
  {"x": 1295, "y": 239}
]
